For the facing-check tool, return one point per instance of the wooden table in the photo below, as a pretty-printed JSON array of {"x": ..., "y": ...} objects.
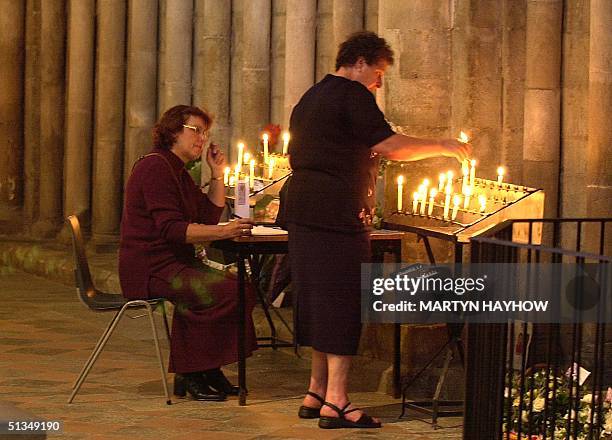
[{"x": 383, "y": 241}]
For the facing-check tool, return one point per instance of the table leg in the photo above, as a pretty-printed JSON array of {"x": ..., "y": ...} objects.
[{"x": 241, "y": 330}]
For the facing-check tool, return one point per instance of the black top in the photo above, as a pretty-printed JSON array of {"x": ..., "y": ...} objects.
[{"x": 333, "y": 127}]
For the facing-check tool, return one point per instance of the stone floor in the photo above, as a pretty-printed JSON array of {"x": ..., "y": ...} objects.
[{"x": 46, "y": 335}]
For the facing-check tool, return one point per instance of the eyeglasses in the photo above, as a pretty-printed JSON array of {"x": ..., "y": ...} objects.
[{"x": 198, "y": 130}]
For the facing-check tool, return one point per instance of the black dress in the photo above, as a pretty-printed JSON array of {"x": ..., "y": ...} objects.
[{"x": 330, "y": 205}]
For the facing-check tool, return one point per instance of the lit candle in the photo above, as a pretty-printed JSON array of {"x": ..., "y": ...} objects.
[
  {"x": 446, "y": 205},
  {"x": 449, "y": 178},
  {"x": 500, "y": 175},
  {"x": 463, "y": 138},
  {"x": 415, "y": 202},
  {"x": 265, "y": 142},
  {"x": 271, "y": 168},
  {"x": 237, "y": 173},
  {"x": 468, "y": 194},
  {"x": 240, "y": 155},
  {"x": 232, "y": 180},
  {"x": 247, "y": 158},
  {"x": 432, "y": 195},
  {"x": 465, "y": 170},
  {"x": 285, "y": 142},
  {"x": 226, "y": 173},
  {"x": 456, "y": 203},
  {"x": 441, "y": 180},
  {"x": 473, "y": 172},
  {"x": 423, "y": 195},
  {"x": 483, "y": 202},
  {"x": 400, "y": 190},
  {"x": 252, "y": 173}
]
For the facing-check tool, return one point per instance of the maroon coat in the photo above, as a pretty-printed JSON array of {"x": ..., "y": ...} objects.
[{"x": 155, "y": 219}]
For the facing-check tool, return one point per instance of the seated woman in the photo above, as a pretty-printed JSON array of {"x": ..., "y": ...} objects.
[{"x": 164, "y": 214}]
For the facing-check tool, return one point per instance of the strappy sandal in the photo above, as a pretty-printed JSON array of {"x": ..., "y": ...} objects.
[
  {"x": 307, "y": 412},
  {"x": 365, "y": 421}
]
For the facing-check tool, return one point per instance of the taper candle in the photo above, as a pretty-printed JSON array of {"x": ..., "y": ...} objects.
[{"x": 400, "y": 190}]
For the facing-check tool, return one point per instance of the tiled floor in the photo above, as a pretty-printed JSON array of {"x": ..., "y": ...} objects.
[{"x": 46, "y": 335}]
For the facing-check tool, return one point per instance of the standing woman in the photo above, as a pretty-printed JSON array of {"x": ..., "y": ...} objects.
[
  {"x": 164, "y": 214},
  {"x": 337, "y": 135}
]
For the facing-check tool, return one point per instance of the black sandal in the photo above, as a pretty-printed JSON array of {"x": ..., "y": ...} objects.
[
  {"x": 365, "y": 421},
  {"x": 307, "y": 412}
]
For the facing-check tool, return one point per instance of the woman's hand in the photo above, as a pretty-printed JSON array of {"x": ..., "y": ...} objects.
[
  {"x": 239, "y": 228},
  {"x": 215, "y": 160},
  {"x": 457, "y": 149}
]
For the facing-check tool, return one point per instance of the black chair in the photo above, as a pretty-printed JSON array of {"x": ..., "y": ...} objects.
[{"x": 98, "y": 301}]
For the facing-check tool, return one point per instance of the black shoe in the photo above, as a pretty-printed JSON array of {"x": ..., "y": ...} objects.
[
  {"x": 217, "y": 380},
  {"x": 197, "y": 388}
]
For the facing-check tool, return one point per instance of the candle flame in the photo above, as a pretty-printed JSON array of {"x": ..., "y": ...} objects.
[
  {"x": 450, "y": 174},
  {"x": 464, "y": 137},
  {"x": 400, "y": 180},
  {"x": 265, "y": 137},
  {"x": 415, "y": 196},
  {"x": 501, "y": 171},
  {"x": 286, "y": 136},
  {"x": 426, "y": 182},
  {"x": 473, "y": 162},
  {"x": 456, "y": 200},
  {"x": 433, "y": 192}
]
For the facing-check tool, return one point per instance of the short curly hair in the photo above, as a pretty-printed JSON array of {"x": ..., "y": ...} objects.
[
  {"x": 363, "y": 44},
  {"x": 171, "y": 123}
]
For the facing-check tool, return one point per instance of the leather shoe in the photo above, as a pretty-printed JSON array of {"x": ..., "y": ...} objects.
[
  {"x": 217, "y": 380},
  {"x": 197, "y": 388}
]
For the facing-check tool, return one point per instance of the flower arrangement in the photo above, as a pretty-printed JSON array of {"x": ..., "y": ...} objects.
[{"x": 554, "y": 421}]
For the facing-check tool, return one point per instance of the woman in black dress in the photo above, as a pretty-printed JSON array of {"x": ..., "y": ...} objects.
[{"x": 338, "y": 133}]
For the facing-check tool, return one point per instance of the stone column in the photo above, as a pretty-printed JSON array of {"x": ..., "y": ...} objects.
[
  {"x": 31, "y": 166},
  {"x": 599, "y": 157},
  {"x": 277, "y": 73},
  {"x": 52, "y": 76},
  {"x": 108, "y": 140},
  {"x": 211, "y": 81},
  {"x": 542, "y": 97},
  {"x": 12, "y": 41},
  {"x": 326, "y": 48},
  {"x": 141, "y": 86},
  {"x": 175, "y": 53},
  {"x": 347, "y": 18},
  {"x": 300, "y": 52},
  {"x": 371, "y": 15},
  {"x": 237, "y": 43},
  {"x": 256, "y": 22},
  {"x": 79, "y": 108}
]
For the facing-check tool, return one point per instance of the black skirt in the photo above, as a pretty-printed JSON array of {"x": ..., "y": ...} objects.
[{"x": 326, "y": 275}]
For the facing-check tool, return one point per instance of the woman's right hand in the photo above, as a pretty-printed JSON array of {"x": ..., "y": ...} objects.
[
  {"x": 457, "y": 149},
  {"x": 239, "y": 228}
]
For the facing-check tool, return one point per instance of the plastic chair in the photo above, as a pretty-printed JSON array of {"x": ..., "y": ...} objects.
[{"x": 98, "y": 301}]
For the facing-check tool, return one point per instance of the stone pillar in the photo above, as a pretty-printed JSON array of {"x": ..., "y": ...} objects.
[
  {"x": 300, "y": 52},
  {"x": 277, "y": 73},
  {"x": 12, "y": 41},
  {"x": 141, "y": 87},
  {"x": 371, "y": 15},
  {"x": 79, "y": 108},
  {"x": 211, "y": 81},
  {"x": 542, "y": 99},
  {"x": 236, "y": 76},
  {"x": 31, "y": 166},
  {"x": 347, "y": 18},
  {"x": 599, "y": 157},
  {"x": 52, "y": 76},
  {"x": 326, "y": 48},
  {"x": 175, "y": 53},
  {"x": 108, "y": 140},
  {"x": 257, "y": 15}
]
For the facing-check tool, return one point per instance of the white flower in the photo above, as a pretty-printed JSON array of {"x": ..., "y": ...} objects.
[{"x": 538, "y": 404}]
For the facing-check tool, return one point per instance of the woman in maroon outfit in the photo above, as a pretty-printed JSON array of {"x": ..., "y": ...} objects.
[{"x": 164, "y": 213}]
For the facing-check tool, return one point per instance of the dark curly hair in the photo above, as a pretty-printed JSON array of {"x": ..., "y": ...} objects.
[
  {"x": 171, "y": 122},
  {"x": 363, "y": 44}
]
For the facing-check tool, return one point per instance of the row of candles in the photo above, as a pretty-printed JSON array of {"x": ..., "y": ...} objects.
[
  {"x": 244, "y": 158},
  {"x": 445, "y": 184}
]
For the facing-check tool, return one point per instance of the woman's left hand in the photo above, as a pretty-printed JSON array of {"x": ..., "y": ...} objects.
[{"x": 215, "y": 159}]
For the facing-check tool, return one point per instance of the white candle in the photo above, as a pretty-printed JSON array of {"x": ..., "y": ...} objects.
[
  {"x": 500, "y": 175},
  {"x": 226, "y": 173},
  {"x": 473, "y": 172},
  {"x": 446, "y": 205},
  {"x": 465, "y": 170},
  {"x": 415, "y": 202},
  {"x": 432, "y": 196},
  {"x": 400, "y": 190},
  {"x": 247, "y": 158},
  {"x": 423, "y": 195},
  {"x": 232, "y": 180},
  {"x": 441, "y": 180},
  {"x": 240, "y": 155},
  {"x": 449, "y": 178},
  {"x": 265, "y": 145},
  {"x": 483, "y": 202},
  {"x": 271, "y": 168},
  {"x": 285, "y": 142},
  {"x": 468, "y": 194},
  {"x": 237, "y": 173},
  {"x": 252, "y": 173},
  {"x": 456, "y": 203}
]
